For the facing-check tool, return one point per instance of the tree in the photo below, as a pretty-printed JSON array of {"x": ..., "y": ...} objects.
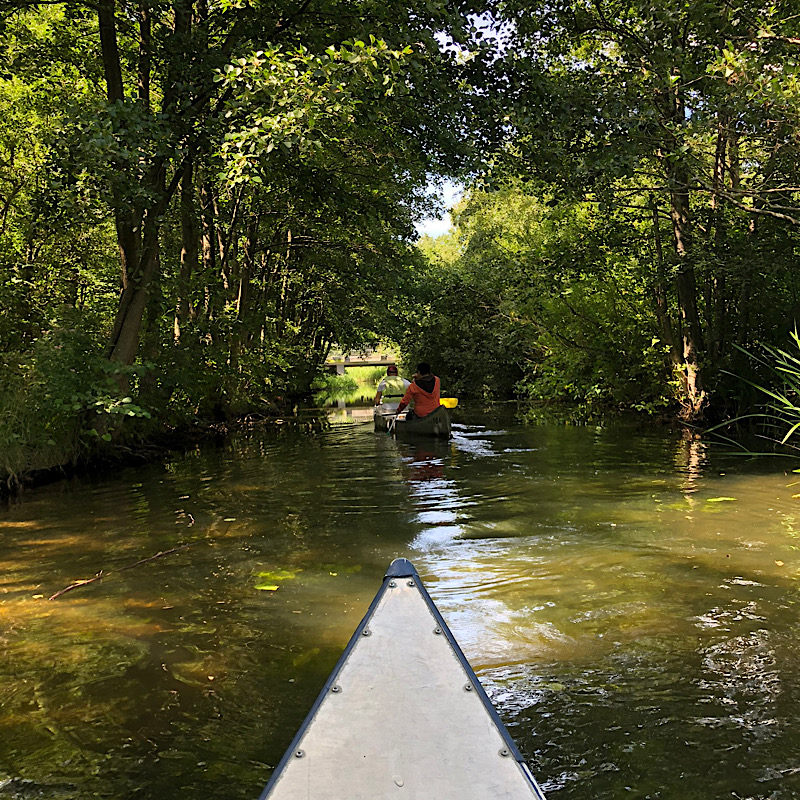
[
  {"x": 255, "y": 173},
  {"x": 641, "y": 106},
  {"x": 544, "y": 300}
]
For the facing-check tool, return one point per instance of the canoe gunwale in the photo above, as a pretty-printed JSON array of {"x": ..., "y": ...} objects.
[{"x": 402, "y": 568}]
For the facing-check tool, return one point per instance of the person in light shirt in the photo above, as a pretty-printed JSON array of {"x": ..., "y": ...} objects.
[{"x": 390, "y": 390}]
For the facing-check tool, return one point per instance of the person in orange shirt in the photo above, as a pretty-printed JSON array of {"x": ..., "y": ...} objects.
[{"x": 424, "y": 391}]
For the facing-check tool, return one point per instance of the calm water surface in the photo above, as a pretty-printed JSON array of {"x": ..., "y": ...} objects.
[{"x": 629, "y": 600}]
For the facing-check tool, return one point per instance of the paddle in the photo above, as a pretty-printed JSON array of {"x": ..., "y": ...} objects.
[{"x": 448, "y": 402}]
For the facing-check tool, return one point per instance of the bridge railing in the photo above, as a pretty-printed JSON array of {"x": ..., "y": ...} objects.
[{"x": 339, "y": 361}]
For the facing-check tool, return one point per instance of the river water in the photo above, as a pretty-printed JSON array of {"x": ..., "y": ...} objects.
[{"x": 628, "y": 599}]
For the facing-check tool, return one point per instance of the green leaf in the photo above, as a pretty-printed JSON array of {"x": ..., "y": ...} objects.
[{"x": 279, "y": 574}]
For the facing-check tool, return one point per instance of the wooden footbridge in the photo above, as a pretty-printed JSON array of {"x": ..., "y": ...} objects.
[{"x": 339, "y": 361}]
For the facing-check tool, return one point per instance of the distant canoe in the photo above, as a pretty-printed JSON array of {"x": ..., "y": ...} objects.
[
  {"x": 402, "y": 715},
  {"x": 437, "y": 423}
]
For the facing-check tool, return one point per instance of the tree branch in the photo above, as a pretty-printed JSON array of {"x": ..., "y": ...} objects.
[{"x": 101, "y": 574}]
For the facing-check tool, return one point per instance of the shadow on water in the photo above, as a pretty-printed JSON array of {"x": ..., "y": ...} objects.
[{"x": 628, "y": 598}]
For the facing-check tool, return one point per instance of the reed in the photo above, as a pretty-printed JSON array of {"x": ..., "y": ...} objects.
[{"x": 779, "y": 416}]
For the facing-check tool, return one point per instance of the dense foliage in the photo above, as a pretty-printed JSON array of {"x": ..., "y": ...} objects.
[
  {"x": 197, "y": 198},
  {"x": 639, "y": 226},
  {"x": 544, "y": 300}
]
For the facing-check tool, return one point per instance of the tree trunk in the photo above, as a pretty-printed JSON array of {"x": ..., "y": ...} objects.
[
  {"x": 716, "y": 305},
  {"x": 660, "y": 291},
  {"x": 124, "y": 341},
  {"x": 145, "y": 53},
  {"x": 686, "y": 288},
  {"x": 112, "y": 68},
  {"x": 207, "y": 237},
  {"x": 673, "y": 108},
  {"x": 282, "y": 300},
  {"x": 127, "y": 218},
  {"x": 243, "y": 296},
  {"x": 183, "y": 308},
  {"x": 137, "y": 230}
]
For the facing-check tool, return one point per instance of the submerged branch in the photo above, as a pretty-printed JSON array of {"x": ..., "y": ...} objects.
[
  {"x": 76, "y": 584},
  {"x": 102, "y": 574}
]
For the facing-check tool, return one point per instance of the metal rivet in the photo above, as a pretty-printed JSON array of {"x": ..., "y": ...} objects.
[
  {"x": 437, "y": 630},
  {"x": 468, "y": 687},
  {"x": 299, "y": 753},
  {"x": 366, "y": 632},
  {"x": 392, "y": 584},
  {"x": 505, "y": 752},
  {"x": 410, "y": 583},
  {"x": 336, "y": 689}
]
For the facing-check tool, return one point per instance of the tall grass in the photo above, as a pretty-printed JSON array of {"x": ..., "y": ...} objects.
[
  {"x": 367, "y": 376},
  {"x": 783, "y": 405},
  {"x": 356, "y": 385},
  {"x": 779, "y": 416},
  {"x": 354, "y": 378}
]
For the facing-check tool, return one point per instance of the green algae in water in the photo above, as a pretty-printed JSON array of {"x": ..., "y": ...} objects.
[{"x": 279, "y": 574}]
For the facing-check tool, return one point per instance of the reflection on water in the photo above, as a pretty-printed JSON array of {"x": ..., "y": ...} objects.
[{"x": 628, "y": 598}]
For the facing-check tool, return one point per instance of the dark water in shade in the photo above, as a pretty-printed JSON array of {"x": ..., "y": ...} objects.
[{"x": 629, "y": 600}]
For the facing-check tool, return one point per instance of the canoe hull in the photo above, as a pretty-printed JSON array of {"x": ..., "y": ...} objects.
[
  {"x": 437, "y": 423},
  {"x": 382, "y": 419},
  {"x": 402, "y": 710}
]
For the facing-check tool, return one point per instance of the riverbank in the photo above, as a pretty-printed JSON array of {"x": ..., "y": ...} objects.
[
  {"x": 157, "y": 445},
  {"x": 38, "y": 448},
  {"x": 147, "y": 439},
  {"x": 150, "y": 444}
]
